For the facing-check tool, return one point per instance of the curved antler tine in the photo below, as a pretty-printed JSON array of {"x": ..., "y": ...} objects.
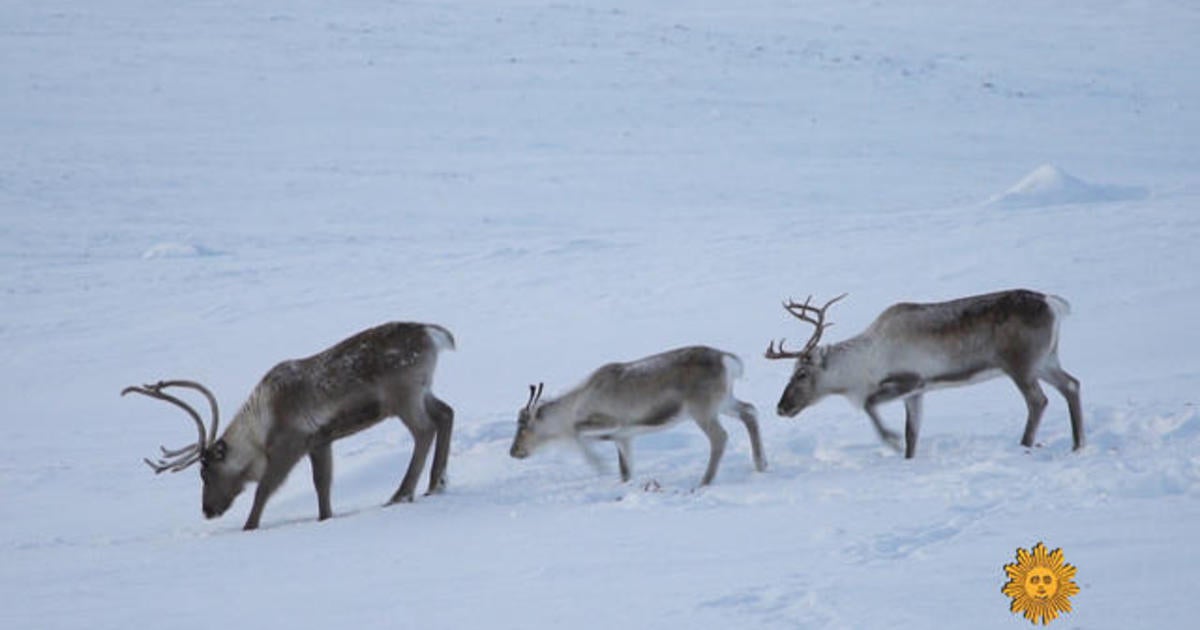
[
  {"x": 178, "y": 451},
  {"x": 162, "y": 465},
  {"x": 781, "y": 353},
  {"x": 830, "y": 302},
  {"x": 532, "y": 393},
  {"x": 157, "y": 468},
  {"x": 812, "y": 314},
  {"x": 185, "y": 463},
  {"x": 798, "y": 309},
  {"x": 154, "y": 393},
  {"x": 539, "y": 392},
  {"x": 212, "y": 401}
]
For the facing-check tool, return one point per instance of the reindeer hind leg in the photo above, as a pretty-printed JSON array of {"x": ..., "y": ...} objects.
[
  {"x": 423, "y": 431},
  {"x": 716, "y": 440},
  {"x": 1068, "y": 386},
  {"x": 1035, "y": 401},
  {"x": 443, "y": 421},
  {"x": 746, "y": 412}
]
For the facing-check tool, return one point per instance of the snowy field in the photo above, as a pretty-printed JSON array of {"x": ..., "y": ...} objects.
[{"x": 200, "y": 190}]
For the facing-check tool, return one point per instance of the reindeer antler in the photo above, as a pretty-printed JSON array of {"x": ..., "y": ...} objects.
[
  {"x": 212, "y": 402},
  {"x": 803, "y": 312},
  {"x": 535, "y": 393},
  {"x": 175, "y": 460}
]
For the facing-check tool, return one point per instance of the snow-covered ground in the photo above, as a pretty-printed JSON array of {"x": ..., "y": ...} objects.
[{"x": 204, "y": 189}]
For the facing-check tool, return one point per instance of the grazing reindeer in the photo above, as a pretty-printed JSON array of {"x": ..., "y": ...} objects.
[
  {"x": 621, "y": 400},
  {"x": 912, "y": 348},
  {"x": 300, "y": 407}
]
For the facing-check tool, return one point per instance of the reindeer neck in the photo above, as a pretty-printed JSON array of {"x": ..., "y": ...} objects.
[
  {"x": 561, "y": 412},
  {"x": 246, "y": 436},
  {"x": 841, "y": 363}
]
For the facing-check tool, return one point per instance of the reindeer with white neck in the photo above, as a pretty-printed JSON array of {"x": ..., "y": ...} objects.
[
  {"x": 622, "y": 400},
  {"x": 300, "y": 407},
  {"x": 913, "y": 348}
]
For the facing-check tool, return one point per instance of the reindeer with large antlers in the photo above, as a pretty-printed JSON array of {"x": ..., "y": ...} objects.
[
  {"x": 621, "y": 400},
  {"x": 300, "y": 407},
  {"x": 913, "y": 348}
]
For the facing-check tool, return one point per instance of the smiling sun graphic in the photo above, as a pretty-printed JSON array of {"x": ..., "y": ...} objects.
[{"x": 1039, "y": 584}]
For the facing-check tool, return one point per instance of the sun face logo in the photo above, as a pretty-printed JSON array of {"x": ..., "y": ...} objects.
[{"x": 1040, "y": 584}]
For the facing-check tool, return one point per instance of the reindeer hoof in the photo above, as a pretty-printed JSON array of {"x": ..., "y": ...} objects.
[{"x": 437, "y": 487}]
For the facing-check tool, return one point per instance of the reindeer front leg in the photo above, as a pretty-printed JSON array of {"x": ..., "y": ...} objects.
[
  {"x": 597, "y": 426},
  {"x": 321, "y": 459},
  {"x": 890, "y": 388},
  {"x": 889, "y": 437},
  {"x": 912, "y": 424},
  {"x": 624, "y": 457},
  {"x": 282, "y": 454}
]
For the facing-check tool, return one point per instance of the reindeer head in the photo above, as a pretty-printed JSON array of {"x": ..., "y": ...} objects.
[
  {"x": 804, "y": 387},
  {"x": 528, "y": 436},
  {"x": 222, "y": 483}
]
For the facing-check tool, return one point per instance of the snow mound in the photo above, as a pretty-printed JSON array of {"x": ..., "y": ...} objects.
[
  {"x": 1049, "y": 185},
  {"x": 177, "y": 250}
]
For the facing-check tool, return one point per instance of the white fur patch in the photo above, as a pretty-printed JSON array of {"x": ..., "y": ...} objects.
[{"x": 441, "y": 337}]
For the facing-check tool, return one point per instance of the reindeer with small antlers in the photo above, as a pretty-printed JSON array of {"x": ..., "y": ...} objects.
[
  {"x": 622, "y": 400},
  {"x": 300, "y": 407},
  {"x": 913, "y": 348}
]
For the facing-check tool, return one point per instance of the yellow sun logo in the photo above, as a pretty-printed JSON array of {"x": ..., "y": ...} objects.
[{"x": 1039, "y": 584}]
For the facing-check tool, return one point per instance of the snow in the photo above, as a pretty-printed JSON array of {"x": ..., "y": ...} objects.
[
  {"x": 1049, "y": 185},
  {"x": 177, "y": 250},
  {"x": 563, "y": 185}
]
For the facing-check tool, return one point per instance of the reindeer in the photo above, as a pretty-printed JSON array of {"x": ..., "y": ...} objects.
[
  {"x": 301, "y": 406},
  {"x": 913, "y": 348},
  {"x": 622, "y": 400}
]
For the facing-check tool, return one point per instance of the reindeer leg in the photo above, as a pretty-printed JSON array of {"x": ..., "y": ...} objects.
[
  {"x": 423, "y": 431},
  {"x": 443, "y": 422},
  {"x": 321, "y": 459},
  {"x": 912, "y": 424},
  {"x": 716, "y": 439},
  {"x": 1035, "y": 400},
  {"x": 749, "y": 417},
  {"x": 624, "y": 457},
  {"x": 282, "y": 455},
  {"x": 1068, "y": 386},
  {"x": 889, "y": 437},
  {"x": 891, "y": 388}
]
